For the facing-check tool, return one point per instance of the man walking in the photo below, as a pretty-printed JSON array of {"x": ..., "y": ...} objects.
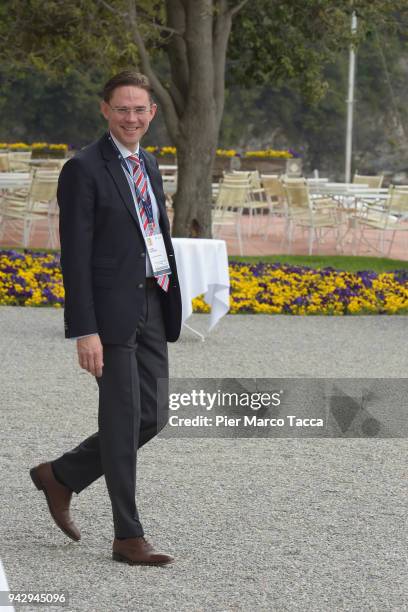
[{"x": 122, "y": 304}]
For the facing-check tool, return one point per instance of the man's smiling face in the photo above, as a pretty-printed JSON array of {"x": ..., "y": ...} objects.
[{"x": 128, "y": 127}]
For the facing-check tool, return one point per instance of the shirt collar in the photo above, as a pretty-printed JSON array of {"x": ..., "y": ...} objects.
[{"x": 122, "y": 149}]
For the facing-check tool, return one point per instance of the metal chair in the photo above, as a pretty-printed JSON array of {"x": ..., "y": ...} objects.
[
  {"x": 4, "y": 162},
  {"x": 19, "y": 161},
  {"x": 24, "y": 211},
  {"x": 232, "y": 197},
  {"x": 276, "y": 196},
  {"x": 393, "y": 217},
  {"x": 257, "y": 201},
  {"x": 373, "y": 182},
  {"x": 302, "y": 212}
]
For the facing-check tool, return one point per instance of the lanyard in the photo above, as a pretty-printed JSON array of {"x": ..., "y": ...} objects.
[{"x": 146, "y": 202}]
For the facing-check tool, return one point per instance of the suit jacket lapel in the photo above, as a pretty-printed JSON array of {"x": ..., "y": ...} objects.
[
  {"x": 118, "y": 176},
  {"x": 116, "y": 171}
]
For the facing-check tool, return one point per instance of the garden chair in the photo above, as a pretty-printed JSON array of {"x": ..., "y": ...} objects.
[
  {"x": 39, "y": 204},
  {"x": 302, "y": 212},
  {"x": 4, "y": 162},
  {"x": 169, "y": 176},
  {"x": 232, "y": 197},
  {"x": 48, "y": 164},
  {"x": 18, "y": 161},
  {"x": 276, "y": 196},
  {"x": 258, "y": 201},
  {"x": 392, "y": 218},
  {"x": 372, "y": 182}
]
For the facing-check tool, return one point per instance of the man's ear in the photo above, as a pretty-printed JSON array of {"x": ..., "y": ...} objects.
[
  {"x": 153, "y": 110},
  {"x": 104, "y": 109}
]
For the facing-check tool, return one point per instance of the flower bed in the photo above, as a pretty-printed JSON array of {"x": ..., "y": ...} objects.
[
  {"x": 265, "y": 161},
  {"x": 45, "y": 148},
  {"x": 38, "y": 149},
  {"x": 298, "y": 290},
  {"x": 30, "y": 279},
  {"x": 228, "y": 153},
  {"x": 35, "y": 279}
]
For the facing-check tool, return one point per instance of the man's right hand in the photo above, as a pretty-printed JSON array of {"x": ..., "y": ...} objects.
[{"x": 90, "y": 354}]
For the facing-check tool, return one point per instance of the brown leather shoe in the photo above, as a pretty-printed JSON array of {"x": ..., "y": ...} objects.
[
  {"x": 138, "y": 551},
  {"x": 58, "y": 499}
]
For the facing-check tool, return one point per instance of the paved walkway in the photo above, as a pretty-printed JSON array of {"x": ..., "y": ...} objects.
[
  {"x": 254, "y": 524},
  {"x": 256, "y": 244}
]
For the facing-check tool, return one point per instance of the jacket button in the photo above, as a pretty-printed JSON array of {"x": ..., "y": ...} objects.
[
  {"x": 142, "y": 254},
  {"x": 140, "y": 286}
]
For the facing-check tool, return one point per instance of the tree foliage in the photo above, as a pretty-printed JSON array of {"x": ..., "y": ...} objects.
[
  {"x": 291, "y": 43},
  {"x": 186, "y": 47}
]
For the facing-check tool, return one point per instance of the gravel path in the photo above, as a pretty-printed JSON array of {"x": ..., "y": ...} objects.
[{"x": 254, "y": 524}]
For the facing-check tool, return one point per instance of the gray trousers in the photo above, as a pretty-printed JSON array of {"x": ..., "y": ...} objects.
[{"x": 130, "y": 413}]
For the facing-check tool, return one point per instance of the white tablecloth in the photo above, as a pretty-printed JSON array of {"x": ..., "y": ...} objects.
[
  {"x": 202, "y": 266},
  {"x": 4, "y": 587}
]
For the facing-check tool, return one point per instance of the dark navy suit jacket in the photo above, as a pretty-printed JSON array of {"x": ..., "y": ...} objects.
[{"x": 103, "y": 254}]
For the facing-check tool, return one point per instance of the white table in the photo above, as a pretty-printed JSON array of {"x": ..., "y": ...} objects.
[
  {"x": 347, "y": 189},
  {"x": 202, "y": 266},
  {"x": 316, "y": 180},
  {"x": 14, "y": 180},
  {"x": 351, "y": 195}
]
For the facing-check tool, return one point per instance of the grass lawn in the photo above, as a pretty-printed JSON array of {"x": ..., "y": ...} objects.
[{"x": 348, "y": 263}]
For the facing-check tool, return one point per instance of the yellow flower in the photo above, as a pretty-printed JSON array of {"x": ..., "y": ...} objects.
[
  {"x": 168, "y": 151},
  {"x": 18, "y": 146},
  {"x": 272, "y": 153},
  {"x": 58, "y": 147},
  {"x": 226, "y": 152},
  {"x": 199, "y": 305}
]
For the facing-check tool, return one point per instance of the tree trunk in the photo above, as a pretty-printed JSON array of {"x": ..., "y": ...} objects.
[
  {"x": 193, "y": 105},
  {"x": 192, "y": 203},
  {"x": 198, "y": 127},
  {"x": 196, "y": 148}
]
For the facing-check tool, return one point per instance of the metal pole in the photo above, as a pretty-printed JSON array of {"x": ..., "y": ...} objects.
[{"x": 350, "y": 101}]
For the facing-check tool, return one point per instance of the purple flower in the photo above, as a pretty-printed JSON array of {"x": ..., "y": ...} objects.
[
  {"x": 401, "y": 276},
  {"x": 13, "y": 255},
  {"x": 300, "y": 301},
  {"x": 294, "y": 153},
  {"x": 9, "y": 270},
  {"x": 367, "y": 278},
  {"x": 16, "y": 279}
]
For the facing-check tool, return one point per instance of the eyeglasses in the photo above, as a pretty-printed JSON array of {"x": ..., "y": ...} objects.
[{"x": 124, "y": 110}]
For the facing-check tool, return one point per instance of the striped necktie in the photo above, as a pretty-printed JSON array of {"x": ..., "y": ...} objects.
[{"x": 145, "y": 207}]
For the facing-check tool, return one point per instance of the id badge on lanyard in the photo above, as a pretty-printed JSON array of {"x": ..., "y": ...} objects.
[
  {"x": 154, "y": 242},
  {"x": 157, "y": 254}
]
